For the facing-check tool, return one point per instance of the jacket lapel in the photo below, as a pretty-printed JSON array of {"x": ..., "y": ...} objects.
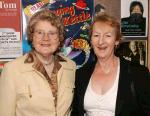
[
  {"x": 123, "y": 87},
  {"x": 65, "y": 77}
]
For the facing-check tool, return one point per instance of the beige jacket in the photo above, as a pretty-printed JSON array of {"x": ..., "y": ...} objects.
[{"x": 25, "y": 92}]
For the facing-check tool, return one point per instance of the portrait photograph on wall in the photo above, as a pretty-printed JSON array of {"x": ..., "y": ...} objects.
[
  {"x": 134, "y": 51},
  {"x": 134, "y": 18}
]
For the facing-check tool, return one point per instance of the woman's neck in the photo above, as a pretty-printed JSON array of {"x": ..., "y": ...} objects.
[
  {"x": 46, "y": 60},
  {"x": 106, "y": 65}
]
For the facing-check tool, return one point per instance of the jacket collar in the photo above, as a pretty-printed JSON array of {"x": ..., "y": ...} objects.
[{"x": 31, "y": 62}]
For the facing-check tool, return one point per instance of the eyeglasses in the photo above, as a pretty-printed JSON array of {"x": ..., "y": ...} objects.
[{"x": 41, "y": 34}]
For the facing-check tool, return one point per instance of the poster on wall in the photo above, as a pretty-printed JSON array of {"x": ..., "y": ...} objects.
[
  {"x": 10, "y": 30},
  {"x": 134, "y": 18},
  {"x": 76, "y": 16},
  {"x": 134, "y": 51}
]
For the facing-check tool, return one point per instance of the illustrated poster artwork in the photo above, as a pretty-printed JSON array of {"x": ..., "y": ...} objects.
[
  {"x": 76, "y": 15},
  {"x": 134, "y": 18}
]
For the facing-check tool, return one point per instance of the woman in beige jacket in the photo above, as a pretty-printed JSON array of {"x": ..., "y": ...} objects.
[{"x": 40, "y": 83}]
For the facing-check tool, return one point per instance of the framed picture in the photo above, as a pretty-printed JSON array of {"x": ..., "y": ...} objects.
[
  {"x": 134, "y": 51},
  {"x": 134, "y": 18},
  {"x": 10, "y": 30},
  {"x": 76, "y": 16}
]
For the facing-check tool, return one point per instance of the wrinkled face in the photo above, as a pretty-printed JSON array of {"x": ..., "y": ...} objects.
[
  {"x": 136, "y": 9},
  {"x": 103, "y": 40},
  {"x": 45, "y": 38},
  {"x": 133, "y": 46}
]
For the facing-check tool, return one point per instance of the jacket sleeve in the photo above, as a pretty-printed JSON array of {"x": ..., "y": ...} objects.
[
  {"x": 77, "y": 108},
  {"x": 142, "y": 87},
  {"x": 7, "y": 93},
  {"x": 75, "y": 103}
]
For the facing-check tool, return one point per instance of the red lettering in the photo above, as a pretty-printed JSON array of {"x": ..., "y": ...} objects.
[
  {"x": 76, "y": 19},
  {"x": 72, "y": 11},
  {"x": 66, "y": 21}
]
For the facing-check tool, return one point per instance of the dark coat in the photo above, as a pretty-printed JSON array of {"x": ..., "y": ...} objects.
[{"x": 133, "y": 96}]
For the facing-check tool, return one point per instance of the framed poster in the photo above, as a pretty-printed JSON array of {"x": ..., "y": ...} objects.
[
  {"x": 76, "y": 15},
  {"x": 134, "y": 51},
  {"x": 10, "y": 30},
  {"x": 134, "y": 18}
]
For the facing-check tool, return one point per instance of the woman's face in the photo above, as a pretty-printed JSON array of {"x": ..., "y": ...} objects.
[
  {"x": 136, "y": 9},
  {"x": 103, "y": 40},
  {"x": 133, "y": 47},
  {"x": 45, "y": 38}
]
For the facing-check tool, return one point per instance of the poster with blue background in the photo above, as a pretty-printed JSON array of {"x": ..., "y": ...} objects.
[{"x": 76, "y": 15}]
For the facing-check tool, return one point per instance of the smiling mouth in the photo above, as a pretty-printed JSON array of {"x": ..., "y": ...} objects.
[
  {"x": 45, "y": 45},
  {"x": 102, "y": 47}
]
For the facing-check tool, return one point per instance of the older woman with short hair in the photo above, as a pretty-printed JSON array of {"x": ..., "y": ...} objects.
[
  {"x": 41, "y": 82},
  {"x": 111, "y": 86}
]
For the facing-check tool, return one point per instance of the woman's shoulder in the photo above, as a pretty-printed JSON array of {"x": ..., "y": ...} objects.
[
  {"x": 15, "y": 65},
  {"x": 66, "y": 60},
  {"x": 137, "y": 73},
  {"x": 134, "y": 68},
  {"x": 86, "y": 69},
  {"x": 15, "y": 62}
]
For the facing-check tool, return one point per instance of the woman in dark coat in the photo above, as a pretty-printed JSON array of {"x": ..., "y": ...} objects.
[{"x": 111, "y": 86}]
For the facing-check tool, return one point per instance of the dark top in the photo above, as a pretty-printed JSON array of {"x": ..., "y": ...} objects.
[
  {"x": 131, "y": 27},
  {"x": 133, "y": 96}
]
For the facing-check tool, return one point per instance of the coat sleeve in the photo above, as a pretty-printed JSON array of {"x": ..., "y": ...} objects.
[
  {"x": 77, "y": 105},
  {"x": 142, "y": 87},
  {"x": 7, "y": 92}
]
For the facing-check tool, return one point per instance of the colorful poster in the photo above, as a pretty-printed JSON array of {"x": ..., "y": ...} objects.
[
  {"x": 76, "y": 15},
  {"x": 10, "y": 29}
]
